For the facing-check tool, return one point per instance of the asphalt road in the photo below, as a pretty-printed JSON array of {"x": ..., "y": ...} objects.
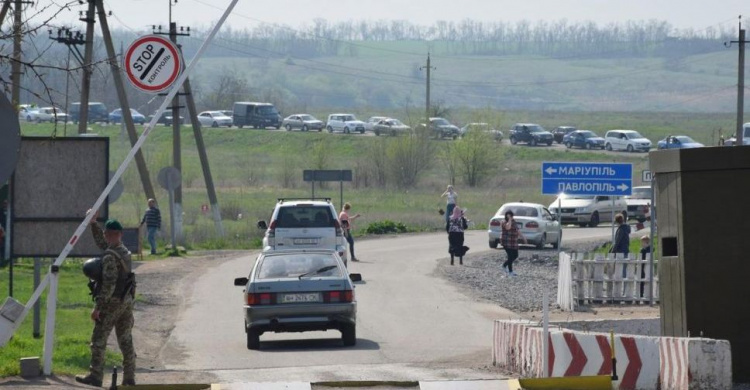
[{"x": 411, "y": 324}]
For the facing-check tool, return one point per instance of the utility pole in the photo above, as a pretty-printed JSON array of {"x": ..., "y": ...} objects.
[
  {"x": 127, "y": 116},
  {"x": 739, "y": 138},
  {"x": 429, "y": 68},
  {"x": 88, "y": 53},
  {"x": 17, "y": 37}
]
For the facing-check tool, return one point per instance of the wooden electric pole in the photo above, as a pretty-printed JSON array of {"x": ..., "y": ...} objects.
[
  {"x": 429, "y": 68},
  {"x": 88, "y": 53},
  {"x": 17, "y": 38},
  {"x": 739, "y": 138}
]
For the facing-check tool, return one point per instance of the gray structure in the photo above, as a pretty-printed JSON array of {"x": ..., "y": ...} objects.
[{"x": 704, "y": 267}]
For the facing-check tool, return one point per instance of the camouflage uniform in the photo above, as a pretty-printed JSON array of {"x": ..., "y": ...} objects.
[{"x": 114, "y": 311}]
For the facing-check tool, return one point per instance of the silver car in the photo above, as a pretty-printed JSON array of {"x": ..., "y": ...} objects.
[
  {"x": 299, "y": 291},
  {"x": 304, "y": 122},
  {"x": 214, "y": 119},
  {"x": 535, "y": 222}
]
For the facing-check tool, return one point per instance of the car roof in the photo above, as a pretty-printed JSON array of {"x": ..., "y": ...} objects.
[
  {"x": 624, "y": 131},
  {"x": 522, "y": 204},
  {"x": 295, "y": 202},
  {"x": 255, "y": 103},
  {"x": 282, "y": 252},
  {"x": 342, "y": 114}
]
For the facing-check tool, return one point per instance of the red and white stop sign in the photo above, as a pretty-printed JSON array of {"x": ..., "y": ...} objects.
[{"x": 152, "y": 63}]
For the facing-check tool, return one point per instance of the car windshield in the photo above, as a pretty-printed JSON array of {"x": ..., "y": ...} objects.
[
  {"x": 348, "y": 118},
  {"x": 634, "y": 135},
  {"x": 685, "y": 139},
  {"x": 640, "y": 193},
  {"x": 266, "y": 110},
  {"x": 536, "y": 129},
  {"x": 305, "y": 217},
  {"x": 134, "y": 112},
  {"x": 587, "y": 134},
  {"x": 216, "y": 113},
  {"x": 294, "y": 265},
  {"x": 307, "y": 117},
  {"x": 520, "y": 211},
  {"x": 441, "y": 122}
]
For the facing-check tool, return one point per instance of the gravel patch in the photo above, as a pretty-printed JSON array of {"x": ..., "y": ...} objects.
[{"x": 483, "y": 277}]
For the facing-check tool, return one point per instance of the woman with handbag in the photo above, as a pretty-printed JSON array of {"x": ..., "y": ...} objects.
[{"x": 456, "y": 225}]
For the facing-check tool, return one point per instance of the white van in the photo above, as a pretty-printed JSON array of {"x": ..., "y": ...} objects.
[
  {"x": 304, "y": 224},
  {"x": 745, "y": 136},
  {"x": 587, "y": 210},
  {"x": 629, "y": 140}
]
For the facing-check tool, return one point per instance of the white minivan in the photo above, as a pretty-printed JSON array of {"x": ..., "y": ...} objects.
[
  {"x": 304, "y": 224},
  {"x": 629, "y": 140}
]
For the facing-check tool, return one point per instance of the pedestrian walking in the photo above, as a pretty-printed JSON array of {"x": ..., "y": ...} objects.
[
  {"x": 152, "y": 219},
  {"x": 113, "y": 290},
  {"x": 622, "y": 241},
  {"x": 347, "y": 223},
  {"x": 509, "y": 240},
  {"x": 456, "y": 226},
  {"x": 645, "y": 253},
  {"x": 452, "y": 201}
]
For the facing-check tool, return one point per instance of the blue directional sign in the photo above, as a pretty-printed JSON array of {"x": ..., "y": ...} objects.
[{"x": 578, "y": 178}]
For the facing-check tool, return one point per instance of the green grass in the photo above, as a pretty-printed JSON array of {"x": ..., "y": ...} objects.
[
  {"x": 634, "y": 247},
  {"x": 73, "y": 324}
]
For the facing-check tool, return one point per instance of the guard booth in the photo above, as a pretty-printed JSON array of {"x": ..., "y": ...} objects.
[{"x": 703, "y": 218}]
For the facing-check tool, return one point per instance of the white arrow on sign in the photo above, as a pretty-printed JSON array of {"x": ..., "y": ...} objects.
[
  {"x": 623, "y": 187},
  {"x": 551, "y": 170}
]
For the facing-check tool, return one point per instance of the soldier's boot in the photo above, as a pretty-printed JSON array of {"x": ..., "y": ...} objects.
[{"x": 89, "y": 379}]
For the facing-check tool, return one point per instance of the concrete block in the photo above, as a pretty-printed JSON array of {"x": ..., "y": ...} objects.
[{"x": 30, "y": 367}]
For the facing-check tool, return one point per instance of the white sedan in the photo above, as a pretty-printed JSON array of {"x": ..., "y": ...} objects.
[
  {"x": 535, "y": 222},
  {"x": 214, "y": 119}
]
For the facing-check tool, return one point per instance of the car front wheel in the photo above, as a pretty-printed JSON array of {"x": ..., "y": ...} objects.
[
  {"x": 630, "y": 148},
  {"x": 215, "y": 124},
  {"x": 253, "y": 339},
  {"x": 377, "y": 132},
  {"x": 304, "y": 127},
  {"x": 588, "y": 146},
  {"x": 608, "y": 147},
  {"x": 558, "y": 243},
  {"x": 330, "y": 129},
  {"x": 533, "y": 142},
  {"x": 288, "y": 127},
  {"x": 349, "y": 335},
  {"x": 542, "y": 242},
  {"x": 568, "y": 145},
  {"x": 513, "y": 140}
]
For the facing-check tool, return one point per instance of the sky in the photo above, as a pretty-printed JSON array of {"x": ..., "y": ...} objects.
[{"x": 141, "y": 14}]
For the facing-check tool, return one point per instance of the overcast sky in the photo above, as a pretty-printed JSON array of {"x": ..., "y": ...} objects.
[{"x": 138, "y": 14}]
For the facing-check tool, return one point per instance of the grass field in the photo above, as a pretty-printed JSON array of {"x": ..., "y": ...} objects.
[{"x": 73, "y": 329}]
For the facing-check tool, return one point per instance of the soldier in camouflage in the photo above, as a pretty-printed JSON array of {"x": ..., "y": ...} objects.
[{"x": 114, "y": 304}]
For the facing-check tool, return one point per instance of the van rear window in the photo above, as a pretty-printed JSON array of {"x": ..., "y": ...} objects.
[{"x": 305, "y": 217}]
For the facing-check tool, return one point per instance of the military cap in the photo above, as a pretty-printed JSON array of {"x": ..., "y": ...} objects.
[{"x": 113, "y": 224}]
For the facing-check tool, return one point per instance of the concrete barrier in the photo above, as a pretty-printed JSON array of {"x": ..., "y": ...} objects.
[{"x": 643, "y": 362}]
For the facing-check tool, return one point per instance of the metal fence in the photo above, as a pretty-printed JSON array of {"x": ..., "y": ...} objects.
[{"x": 586, "y": 278}]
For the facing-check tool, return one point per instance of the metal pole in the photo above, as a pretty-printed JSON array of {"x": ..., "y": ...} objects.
[
  {"x": 16, "y": 64},
  {"x": 8, "y": 227},
  {"x": 559, "y": 220},
  {"x": 652, "y": 234},
  {"x": 427, "y": 105},
  {"x": 127, "y": 117},
  {"x": 83, "y": 113},
  {"x": 176, "y": 144},
  {"x": 613, "y": 220},
  {"x": 741, "y": 89},
  {"x": 313, "y": 188},
  {"x": 545, "y": 335},
  {"x": 171, "y": 219},
  {"x": 193, "y": 112},
  {"x": 49, "y": 326},
  {"x": 37, "y": 306}
]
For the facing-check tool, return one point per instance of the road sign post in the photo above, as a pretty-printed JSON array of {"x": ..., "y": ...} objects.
[{"x": 313, "y": 175}]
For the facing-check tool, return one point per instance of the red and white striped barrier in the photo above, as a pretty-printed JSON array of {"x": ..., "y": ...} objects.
[{"x": 642, "y": 362}]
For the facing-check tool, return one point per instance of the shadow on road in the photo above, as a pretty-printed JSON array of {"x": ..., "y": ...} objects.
[{"x": 316, "y": 345}]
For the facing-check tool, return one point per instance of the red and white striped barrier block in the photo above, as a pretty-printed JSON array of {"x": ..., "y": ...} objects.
[{"x": 642, "y": 362}]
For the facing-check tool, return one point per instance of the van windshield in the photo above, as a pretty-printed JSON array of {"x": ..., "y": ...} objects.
[{"x": 267, "y": 110}]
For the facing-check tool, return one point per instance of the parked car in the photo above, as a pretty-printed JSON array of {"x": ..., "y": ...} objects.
[
  {"x": 530, "y": 133},
  {"x": 390, "y": 126},
  {"x": 559, "y": 132},
  {"x": 116, "y": 116},
  {"x": 97, "y": 112},
  {"x": 497, "y": 135},
  {"x": 372, "y": 121},
  {"x": 584, "y": 210},
  {"x": 629, "y": 140},
  {"x": 214, "y": 119},
  {"x": 304, "y": 122},
  {"x": 345, "y": 123},
  {"x": 535, "y": 222},
  {"x": 585, "y": 139},
  {"x": 166, "y": 118},
  {"x": 678, "y": 142},
  {"x": 257, "y": 115},
  {"x": 304, "y": 224},
  {"x": 441, "y": 128},
  {"x": 51, "y": 115},
  {"x": 27, "y": 112},
  {"x": 299, "y": 291},
  {"x": 745, "y": 136},
  {"x": 639, "y": 203}
]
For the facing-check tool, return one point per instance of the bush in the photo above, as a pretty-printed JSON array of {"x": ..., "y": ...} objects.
[{"x": 386, "y": 227}]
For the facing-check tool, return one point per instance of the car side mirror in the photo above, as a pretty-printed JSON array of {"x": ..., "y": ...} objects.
[
  {"x": 355, "y": 277},
  {"x": 240, "y": 282},
  {"x": 262, "y": 225}
]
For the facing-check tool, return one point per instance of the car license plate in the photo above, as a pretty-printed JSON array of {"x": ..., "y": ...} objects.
[
  {"x": 305, "y": 241},
  {"x": 301, "y": 298}
]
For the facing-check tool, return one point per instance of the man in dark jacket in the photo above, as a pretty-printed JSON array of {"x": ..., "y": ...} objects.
[
  {"x": 152, "y": 219},
  {"x": 622, "y": 240}
]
